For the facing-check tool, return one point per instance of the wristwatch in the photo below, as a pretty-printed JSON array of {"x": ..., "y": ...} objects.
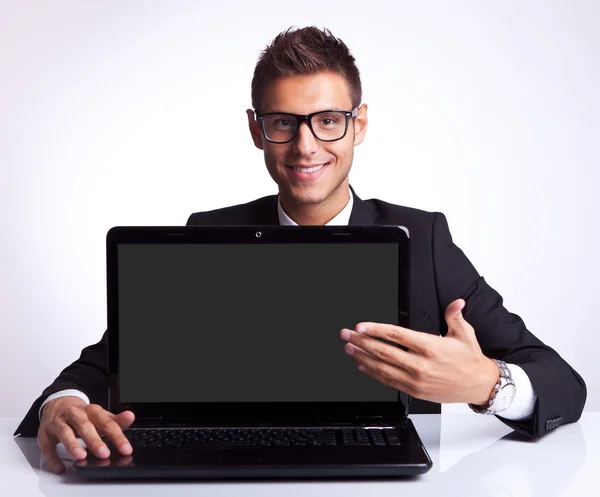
[{"x": 502, "y": 394}]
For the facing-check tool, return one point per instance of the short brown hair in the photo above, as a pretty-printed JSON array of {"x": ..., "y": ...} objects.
[{"x": 305, "y": 51}]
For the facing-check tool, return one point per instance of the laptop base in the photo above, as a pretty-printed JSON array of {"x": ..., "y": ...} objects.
[{"x": 408, "y": 459}]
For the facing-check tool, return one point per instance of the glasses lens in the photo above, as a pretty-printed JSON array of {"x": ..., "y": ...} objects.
[
  {"x": 280, "y": 127},
  {"x": 329, "y": 125}
]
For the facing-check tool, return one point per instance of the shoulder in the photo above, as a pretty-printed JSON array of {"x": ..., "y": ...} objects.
[
  {"x": 388, "y": 209},
  {"x": 257, "y": 211},
  {"x": 415, "y": 219},
  {"x": 422, "y": 224}
]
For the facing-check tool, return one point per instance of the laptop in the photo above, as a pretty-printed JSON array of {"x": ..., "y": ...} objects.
[{"x": 225, "y": 343}]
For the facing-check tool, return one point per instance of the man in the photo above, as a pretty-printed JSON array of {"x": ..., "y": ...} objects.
[{"x": 308, "y": 118}]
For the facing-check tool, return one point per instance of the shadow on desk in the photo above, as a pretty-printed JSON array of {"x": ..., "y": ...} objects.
[
  {"x": 517, "y": 466},
  {"x": 512, "y": 465}
]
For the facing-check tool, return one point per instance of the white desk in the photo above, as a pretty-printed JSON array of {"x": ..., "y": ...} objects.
[{"x": 473, "y": 455}]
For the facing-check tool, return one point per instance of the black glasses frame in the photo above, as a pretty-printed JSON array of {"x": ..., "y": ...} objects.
[{"x": 307, "y": 118}]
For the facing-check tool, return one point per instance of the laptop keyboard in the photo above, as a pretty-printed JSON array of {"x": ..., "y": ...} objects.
[{"x": 261, "y": 437}]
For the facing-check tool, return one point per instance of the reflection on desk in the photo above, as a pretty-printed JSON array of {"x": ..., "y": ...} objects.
[{"x": 472, "y": 455}]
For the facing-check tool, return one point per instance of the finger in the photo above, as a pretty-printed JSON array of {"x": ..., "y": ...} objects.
[
  {"x": 377, "y": 376},
  {"x": 47, "y": 444},
  {"x": 112, "y": 426},
  {"x": 66, "y": 435},
  {"x": 124, "y": 419},
  {"x": 378, "y": 350},
  {"x": 383, "y": 372},
  {"x": 83, "y": 422},
  {"x": 413, "y": 340}
]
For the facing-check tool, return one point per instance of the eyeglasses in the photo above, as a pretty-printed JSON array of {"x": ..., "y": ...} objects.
[{"x": 326, "y": 126}]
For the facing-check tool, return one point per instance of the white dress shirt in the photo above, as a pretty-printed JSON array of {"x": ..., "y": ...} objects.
[{"x": 525, "y": 397}]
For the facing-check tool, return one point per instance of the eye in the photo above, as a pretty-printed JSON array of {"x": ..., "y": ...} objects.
[
  {"x": 328, "y": 120},
  {"x": 283, "y": 122}
]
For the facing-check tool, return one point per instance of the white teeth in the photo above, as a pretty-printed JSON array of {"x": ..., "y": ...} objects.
[{"x": 308, "y": 169}]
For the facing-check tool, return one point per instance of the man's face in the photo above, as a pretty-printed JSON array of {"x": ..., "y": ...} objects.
[{"x": 305, "y": 95}]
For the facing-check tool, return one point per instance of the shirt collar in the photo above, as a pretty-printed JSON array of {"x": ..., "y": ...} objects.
[{"x": 342, "y": 218}]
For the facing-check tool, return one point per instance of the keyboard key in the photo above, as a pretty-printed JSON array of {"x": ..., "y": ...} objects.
[{"x": 262, "y": 437}]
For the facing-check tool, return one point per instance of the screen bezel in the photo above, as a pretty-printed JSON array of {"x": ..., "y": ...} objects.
[{"x": 245, "y": 413}]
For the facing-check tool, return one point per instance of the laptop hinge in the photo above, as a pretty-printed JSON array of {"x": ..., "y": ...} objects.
[
  {"x": 148, "y": 421},
  {"x": 371, "y": 420}
]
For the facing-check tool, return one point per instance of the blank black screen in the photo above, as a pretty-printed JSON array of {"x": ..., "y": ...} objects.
[{"x": 250, "y": 323}]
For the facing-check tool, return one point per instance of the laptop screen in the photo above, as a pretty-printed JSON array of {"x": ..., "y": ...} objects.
[{"x": 249, "y": 322}]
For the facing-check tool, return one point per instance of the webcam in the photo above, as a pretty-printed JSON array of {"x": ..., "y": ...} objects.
[{"x": 258, "y": 234}]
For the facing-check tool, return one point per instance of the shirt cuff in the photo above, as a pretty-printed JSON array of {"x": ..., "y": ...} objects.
[
  {"x": 523, "y": 404},
  {"x": 63, "y": 393}
]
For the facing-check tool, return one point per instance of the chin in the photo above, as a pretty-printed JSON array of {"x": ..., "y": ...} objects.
[{"x": 309, "y": 196}]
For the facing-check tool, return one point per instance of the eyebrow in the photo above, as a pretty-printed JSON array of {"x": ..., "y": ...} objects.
[{"x": 277, "y": 111}]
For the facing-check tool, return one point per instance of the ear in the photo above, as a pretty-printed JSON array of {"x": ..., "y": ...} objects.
[
  {"x": 254, "y": 130},
  {"x": 360, "y": 125}
]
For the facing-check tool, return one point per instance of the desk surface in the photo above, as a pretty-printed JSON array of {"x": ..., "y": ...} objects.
[{"x": 472, "y": 455}]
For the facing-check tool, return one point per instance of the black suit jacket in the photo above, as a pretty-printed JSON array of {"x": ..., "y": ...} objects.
[{"x": 440, "y": 274}]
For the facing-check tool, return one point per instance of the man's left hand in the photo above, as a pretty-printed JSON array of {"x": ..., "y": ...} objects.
[{"x": 435, "y": 368}]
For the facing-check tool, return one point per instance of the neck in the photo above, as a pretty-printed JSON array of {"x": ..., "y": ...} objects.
[{"x": 317, "y": 214}]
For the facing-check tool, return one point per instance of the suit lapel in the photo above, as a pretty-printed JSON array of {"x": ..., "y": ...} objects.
[
  {"x": 265, "y": 212},
  {"x": 363, "y": 213}
]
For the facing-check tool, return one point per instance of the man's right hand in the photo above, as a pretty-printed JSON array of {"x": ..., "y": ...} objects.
[{"x": 67, "y": 418}]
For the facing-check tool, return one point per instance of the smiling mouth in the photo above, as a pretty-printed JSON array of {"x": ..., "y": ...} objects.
[{"x": 308, "y": 170}]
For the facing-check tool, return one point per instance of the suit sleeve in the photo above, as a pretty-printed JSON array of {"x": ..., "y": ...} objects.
[
  {"x": 503, "y": 335},
  {"x": 89, "y": 374}
]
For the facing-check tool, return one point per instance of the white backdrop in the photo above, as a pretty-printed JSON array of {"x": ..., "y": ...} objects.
[{"x": 132, "y": 113}]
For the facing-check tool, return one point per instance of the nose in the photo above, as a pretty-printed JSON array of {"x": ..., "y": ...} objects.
[{"x": 305, "y": 144}]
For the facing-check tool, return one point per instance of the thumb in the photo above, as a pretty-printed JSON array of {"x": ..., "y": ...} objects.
[
  {"x": 454, "y": 317},
  {"x": 124, "y": 419}
]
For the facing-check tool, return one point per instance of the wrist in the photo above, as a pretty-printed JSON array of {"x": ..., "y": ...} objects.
[
  {"x": 490, "y": 375},
  {"x": 503, "y": 394}
]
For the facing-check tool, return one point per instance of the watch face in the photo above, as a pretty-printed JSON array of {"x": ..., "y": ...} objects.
[{"x": 504, "y": 397}]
